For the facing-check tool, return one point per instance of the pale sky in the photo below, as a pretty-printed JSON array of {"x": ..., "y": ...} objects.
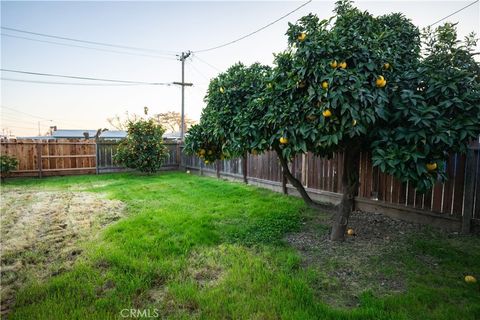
[{"x": 159, "y": 25}]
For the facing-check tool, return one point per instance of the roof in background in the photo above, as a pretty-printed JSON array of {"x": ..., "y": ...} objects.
[{"x": 78, "y": 134}]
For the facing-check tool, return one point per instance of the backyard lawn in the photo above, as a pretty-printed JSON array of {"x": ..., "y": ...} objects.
[{"x": 179, "y": 246}]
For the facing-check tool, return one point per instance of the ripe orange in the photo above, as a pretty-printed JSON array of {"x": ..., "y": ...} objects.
[
  {"x": 380, "y": 82},
  {"x": 327, "y": 113},
  {"x": 283, "y": 140},
  {"x": 302, "y": 36},
  {"x": 386, "y": 66},
  {"x": 342, "y": 65},
  {"x": 432, "y": 166},
  {"x": 325, "y": 85},
  {"x": 333, "y": 64}
]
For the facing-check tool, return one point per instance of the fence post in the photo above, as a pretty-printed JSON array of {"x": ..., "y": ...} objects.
[
  {"x": 96, "y": 156},
  {"x": 39, "y": 159},
  {"x": 217, "y": 166},
  {"x": 469, "y": 195},
  {"x": 244, "y": 168},
  {"x": 179, "y": 156}
]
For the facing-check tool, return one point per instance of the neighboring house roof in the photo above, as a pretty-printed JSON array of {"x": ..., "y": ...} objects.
[
  {"x": 171, "y": 135},
  {"x": 69, "y": 134},
  {"x": 78, "y": 134}
]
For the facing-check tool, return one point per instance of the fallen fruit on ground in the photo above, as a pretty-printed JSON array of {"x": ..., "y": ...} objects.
[{"x": 350, "y": 232}]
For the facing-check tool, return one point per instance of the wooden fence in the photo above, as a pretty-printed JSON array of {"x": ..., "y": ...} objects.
[
  {"x": 458, "y": 197},
  {"x": 38, "y": 158}
]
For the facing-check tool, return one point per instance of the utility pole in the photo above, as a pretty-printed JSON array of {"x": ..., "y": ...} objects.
[{"x": 182, "y": 58}]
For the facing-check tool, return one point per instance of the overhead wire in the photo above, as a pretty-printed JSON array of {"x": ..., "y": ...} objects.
[
  {"x": 453, "y": 13},
  {"x": 72, "y": 83},
  {"x": 87, "y": 78},
  {"x": 170, "y": 52},
  {"x": 253, "y": 32},
  {"x": 90, "y": 48}
]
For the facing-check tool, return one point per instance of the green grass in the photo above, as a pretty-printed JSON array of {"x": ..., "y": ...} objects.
[{"x": 197, "y": 247}]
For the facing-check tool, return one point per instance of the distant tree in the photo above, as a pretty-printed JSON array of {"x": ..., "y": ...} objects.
[
  {"x": 171, "y": 121},
  {"x": 143, "y": 148},
  {"x": 121, "y": 123}
]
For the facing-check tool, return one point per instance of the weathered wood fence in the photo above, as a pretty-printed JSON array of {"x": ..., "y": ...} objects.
[
  {"x": 38, "y": 158},
  {"x": 454, "y": 202}
]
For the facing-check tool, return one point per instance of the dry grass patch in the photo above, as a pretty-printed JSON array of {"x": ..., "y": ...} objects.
[{"x": 41, "y": 233}]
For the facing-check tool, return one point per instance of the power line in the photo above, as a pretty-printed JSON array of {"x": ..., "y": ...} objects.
[
  {"x": 198, "y": 71},
  {"x": 252, "y": 33},
  {"x": 438, "y": 21},
  {"x": 90, "y": 48},
  {"x": 207, "y": 63},
  {"x": 86, "y": 78},
  {"x": 90, "y": 42},
  {"x": 71, "y": 83},
  {"x": 38, "y": 117},
  {"x": 25, "y": 113}
]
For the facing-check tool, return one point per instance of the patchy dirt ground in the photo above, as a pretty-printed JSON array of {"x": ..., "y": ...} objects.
[
  {"x": 363, "y": 262},
  {"x": 42, "y": 232}
]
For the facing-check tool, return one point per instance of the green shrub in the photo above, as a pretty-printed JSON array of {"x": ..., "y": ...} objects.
[
  {"x": 143, "y": 148},
  {"x": 7, "y": 165}
]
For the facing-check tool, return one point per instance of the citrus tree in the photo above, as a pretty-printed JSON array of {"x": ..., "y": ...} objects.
[
  {"x": 143, "y": 148},
  {"x": 224, "y": 130},
  {"x": 358, "y": 83}
]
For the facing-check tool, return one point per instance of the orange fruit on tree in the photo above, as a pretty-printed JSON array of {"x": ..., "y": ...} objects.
[
  {"x": 432, "y": 166},
  {"x": 380, "y": 82},
  {"x": 222, "y": 89},
  {"x": 354, "y": 122},
  {"x": 342, "y": 65},
  {"x": 302, "y": 36},
  {"x": 202, "y": 152},
  {"x": 386, "y": 66},
  {"x": 333, "y": 64},
  {"x": 283, "y": 140},
  {"x": 470, "y": 279},
  {"x": 327, "y": 113},
  {"x": 325, "y": 85}
]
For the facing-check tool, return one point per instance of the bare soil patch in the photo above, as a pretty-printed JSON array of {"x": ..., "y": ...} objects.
[
  {"x": 360, "y": 263},
  {"x": 42, "y": 232}
]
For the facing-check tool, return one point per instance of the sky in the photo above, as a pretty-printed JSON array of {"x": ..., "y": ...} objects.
[{"x": 166, "y": 27}]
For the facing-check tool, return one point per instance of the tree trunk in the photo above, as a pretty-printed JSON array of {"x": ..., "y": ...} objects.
[
  {"x": 297, "y": 184},
  {"x": 350, "y": 183}
]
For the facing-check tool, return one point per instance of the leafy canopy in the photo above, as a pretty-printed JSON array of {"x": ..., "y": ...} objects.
[{"x": 353, "y": 82}]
